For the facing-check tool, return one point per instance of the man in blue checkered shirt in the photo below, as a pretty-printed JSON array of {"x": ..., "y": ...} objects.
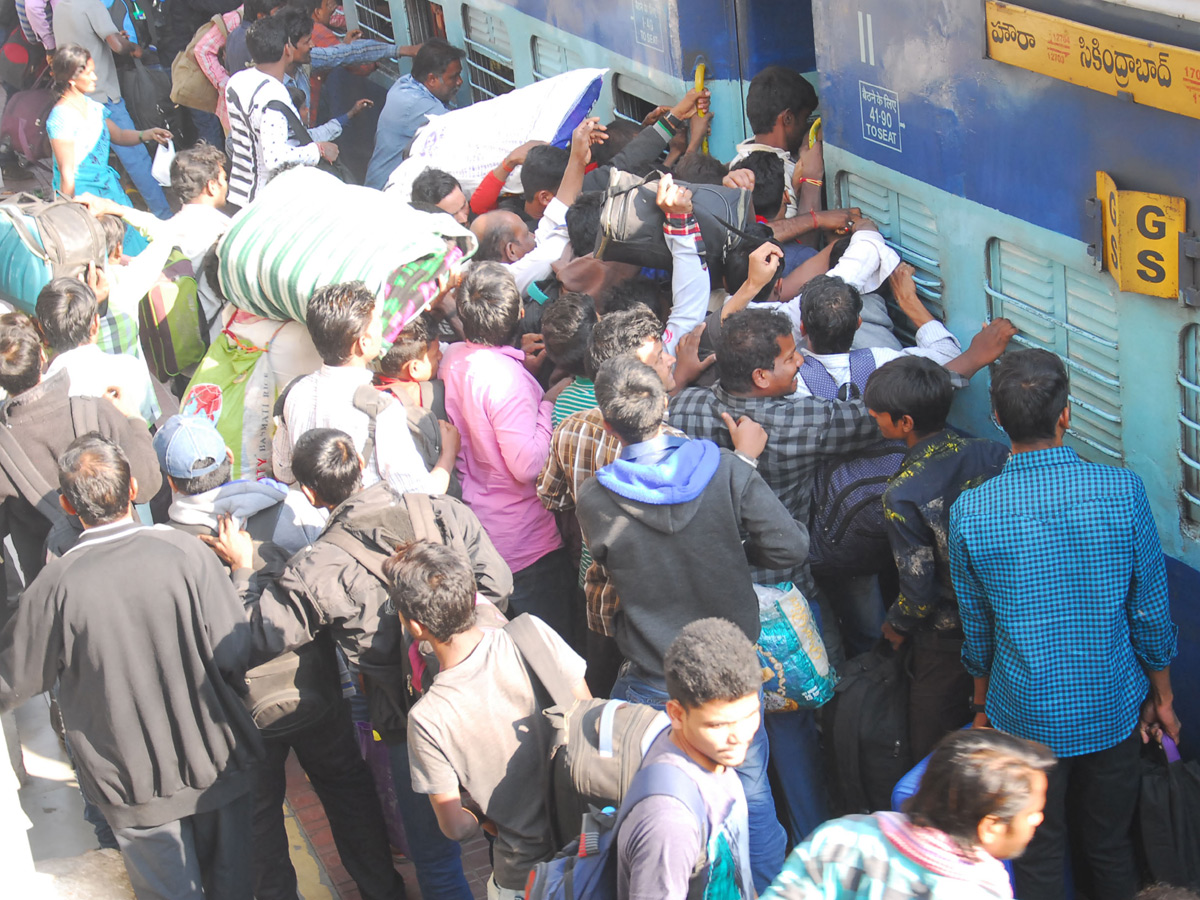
[{"x": 1063, "y": 597}]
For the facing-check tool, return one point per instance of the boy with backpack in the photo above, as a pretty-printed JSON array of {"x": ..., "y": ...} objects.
[
  {"x": 909, "y": 398},
  {"x": 688, "y": 836},
  {"x": 480, "y": 723}
]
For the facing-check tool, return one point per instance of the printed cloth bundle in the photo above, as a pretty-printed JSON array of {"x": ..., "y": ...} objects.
[
  {"x": 796, "y": 670},
  {"x": 307, "y": 229},
  {"x": 470, "y": 142}
]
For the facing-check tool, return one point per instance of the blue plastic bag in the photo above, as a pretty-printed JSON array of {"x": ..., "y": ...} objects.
[{"x": 796, "y": 670}]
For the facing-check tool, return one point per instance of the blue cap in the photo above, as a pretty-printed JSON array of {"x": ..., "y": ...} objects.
[{"x": 185, "y": 440}]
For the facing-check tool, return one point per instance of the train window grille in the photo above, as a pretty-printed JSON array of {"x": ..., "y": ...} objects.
[
  {"x": 375, "y": 20},
  {"x": 1189, "y": 421},
  {"x": 425, "y": 20},
  {"x": 550, "y": 59},
  {"x": 910, "y": 229},
  {"x": 489, "y": 54},
  {"x": 1071, "y": 313},
  {"x": 628, "y": 105}
]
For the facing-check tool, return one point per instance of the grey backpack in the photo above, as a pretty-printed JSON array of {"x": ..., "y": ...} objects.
[{"x": 598, "y": 745}]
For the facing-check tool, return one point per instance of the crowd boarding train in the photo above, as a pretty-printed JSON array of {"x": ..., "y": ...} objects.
[{"x": 1037, "y": 160}]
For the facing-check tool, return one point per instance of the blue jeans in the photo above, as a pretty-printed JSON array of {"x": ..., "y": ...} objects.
[
  {"x": 208, "y": 128},
  {"x": 768, "y": 840},
  {"x": 137, "y": 163},
  {"x": 438, "y": 859},
  {"x": 796, "y": 758}
]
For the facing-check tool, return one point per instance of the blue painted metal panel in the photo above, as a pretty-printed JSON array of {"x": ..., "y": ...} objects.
[{"x": 1019, "y": 142}]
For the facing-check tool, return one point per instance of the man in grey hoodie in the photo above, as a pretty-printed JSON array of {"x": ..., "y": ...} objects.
[{"x": 666, "y": 520}]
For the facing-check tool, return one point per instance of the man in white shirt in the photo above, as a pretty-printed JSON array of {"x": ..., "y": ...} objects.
[
  {"x": 345, "y": 327},
  {"x": 68, "y": 315},
  {"x": 260, "y": 142},
  {"x": 198, "y": 179},
  {"x": 504, "y": 237}
]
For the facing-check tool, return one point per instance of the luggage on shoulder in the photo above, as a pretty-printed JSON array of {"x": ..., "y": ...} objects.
[
  {"x": 631, "y": 224},
  {"x": 848, "y": 532},
  {"x": 172, "y": 327},
  {"x": 587, "y": 867},
  {"x": 599, "y": 744},
  {"x": 190, "y": 87},
  {"x": 41, "y": 240},
  {"x": 869, "y": 735}
]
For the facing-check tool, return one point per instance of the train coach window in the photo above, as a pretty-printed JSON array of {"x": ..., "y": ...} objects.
[
  {"x": 1189, "y": 420},
  {"x": 550, "y": 59},
  {"x": 425, "y": 20},
  {"x": 910, "y": 229},
  {"x": 1072, "y": 313},
  {"x": 375, "y": 20},
  {"x": 634, "y": 100},
  {"x": 489, "y": 54}
]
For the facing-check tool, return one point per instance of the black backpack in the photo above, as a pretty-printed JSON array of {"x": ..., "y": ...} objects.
[
  {"x": 869, "y": 734},
  {"x": 847, "y": 532}
]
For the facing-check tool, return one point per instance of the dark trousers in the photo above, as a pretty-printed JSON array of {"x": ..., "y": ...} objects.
[
  {"x": 940, "y": 692},
  {"x": 1095, "y": 795},
  {"x": 205, "y": 856},
  {"x": 328, "y": 752},
  {"x": 549, "y": 589}
]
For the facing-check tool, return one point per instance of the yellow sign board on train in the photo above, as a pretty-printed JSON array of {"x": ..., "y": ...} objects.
[
  {"x": 1141, "y": 238},
  {"x": 1147, "y": 72}
]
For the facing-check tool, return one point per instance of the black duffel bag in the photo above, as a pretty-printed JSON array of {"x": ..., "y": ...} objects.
[
  {"x": 147, "y": 95},
  {"x": 631, "y": 224}
]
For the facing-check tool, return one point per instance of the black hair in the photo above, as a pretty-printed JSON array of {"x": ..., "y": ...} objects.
[
  {"x": 711, "y": 659},
  {"x": 976, "y": 774},
  {"x": 737, "y": 263},
  {"x": 699, "y": 168},
  {"x": 253, "y": 10},
  {"x": 65, "y": 310},
  {"x": 631, "y": 398},
  {"x": 499, "y": 228},
  {"x": 749, "y": 341},
  {"x": 20, "y": 353},
  {"x": 432, "y": 584},
  {"x": 305, "y": 7},
  {"x": 774, "y": 90},
  {"x": 543, "y": 169},
  {"x": 567, "y": 330},
  {"x": 266, "y": 40},
  {"x": 201, "y": 484},
  {"x": 623, "y": 331},
  {"x": 911, "y": 386},
  {"x": 433, "y": 186},
  {"x": 489, "y": 304},
  {"x": 93, "y": 473},
  {"x": 768, "y": 181},
  {"x": 434, "y": 57},
  {"x": 298, "y": 25},
  {"x": 636, "y": 291},
  {"x": 192, "y": 170},
  {"x": 114, "y": 233},
  {"x": 830, "y": 310},
  {"x": 1030, "y": 390},
  {"x": 325, "y": 461},
  {"x": 583, "y": 222},
  {"x": 338, "y": 315},
  {"x": 69, "y": 60},
  {"x": 620, "y": 133},
  {"x": 411, "y": 343},
  {"x": 839, "y": 248}
]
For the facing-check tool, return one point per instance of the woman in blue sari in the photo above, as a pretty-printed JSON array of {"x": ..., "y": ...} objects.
[{"x": 80, "y": 132}]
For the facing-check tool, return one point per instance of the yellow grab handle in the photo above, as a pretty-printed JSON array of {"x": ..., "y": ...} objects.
[{"x": 700, "y": 69}]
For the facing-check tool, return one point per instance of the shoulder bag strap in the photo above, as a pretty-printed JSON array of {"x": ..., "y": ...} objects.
[
  {"x": 665, "y": 779},
  {"x": 36, "y": 490},
  {"x": 299, "y": 133},
  {"x": 817, "y": 379},
  {"x": 372, "y": 402},
  {"x": 862, "y": 364},
  {"x": 422, "y": 517},
  {"x": 532, "y": 648}
]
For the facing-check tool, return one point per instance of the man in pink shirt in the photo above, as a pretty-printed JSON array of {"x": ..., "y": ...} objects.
[{"x": 505, "y": 424}]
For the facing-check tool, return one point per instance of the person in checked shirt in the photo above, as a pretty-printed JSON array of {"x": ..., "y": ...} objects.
[{"x": 1062, "y": 592}]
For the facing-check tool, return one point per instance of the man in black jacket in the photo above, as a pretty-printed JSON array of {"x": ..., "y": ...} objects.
[
  {"x": 319, "y": 730},
  {"x": 149, "y": 671},
  {"x": 337, "y": 585}
]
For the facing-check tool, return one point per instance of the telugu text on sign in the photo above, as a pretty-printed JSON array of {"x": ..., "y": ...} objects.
[{"x": 1150, "y": 73}]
